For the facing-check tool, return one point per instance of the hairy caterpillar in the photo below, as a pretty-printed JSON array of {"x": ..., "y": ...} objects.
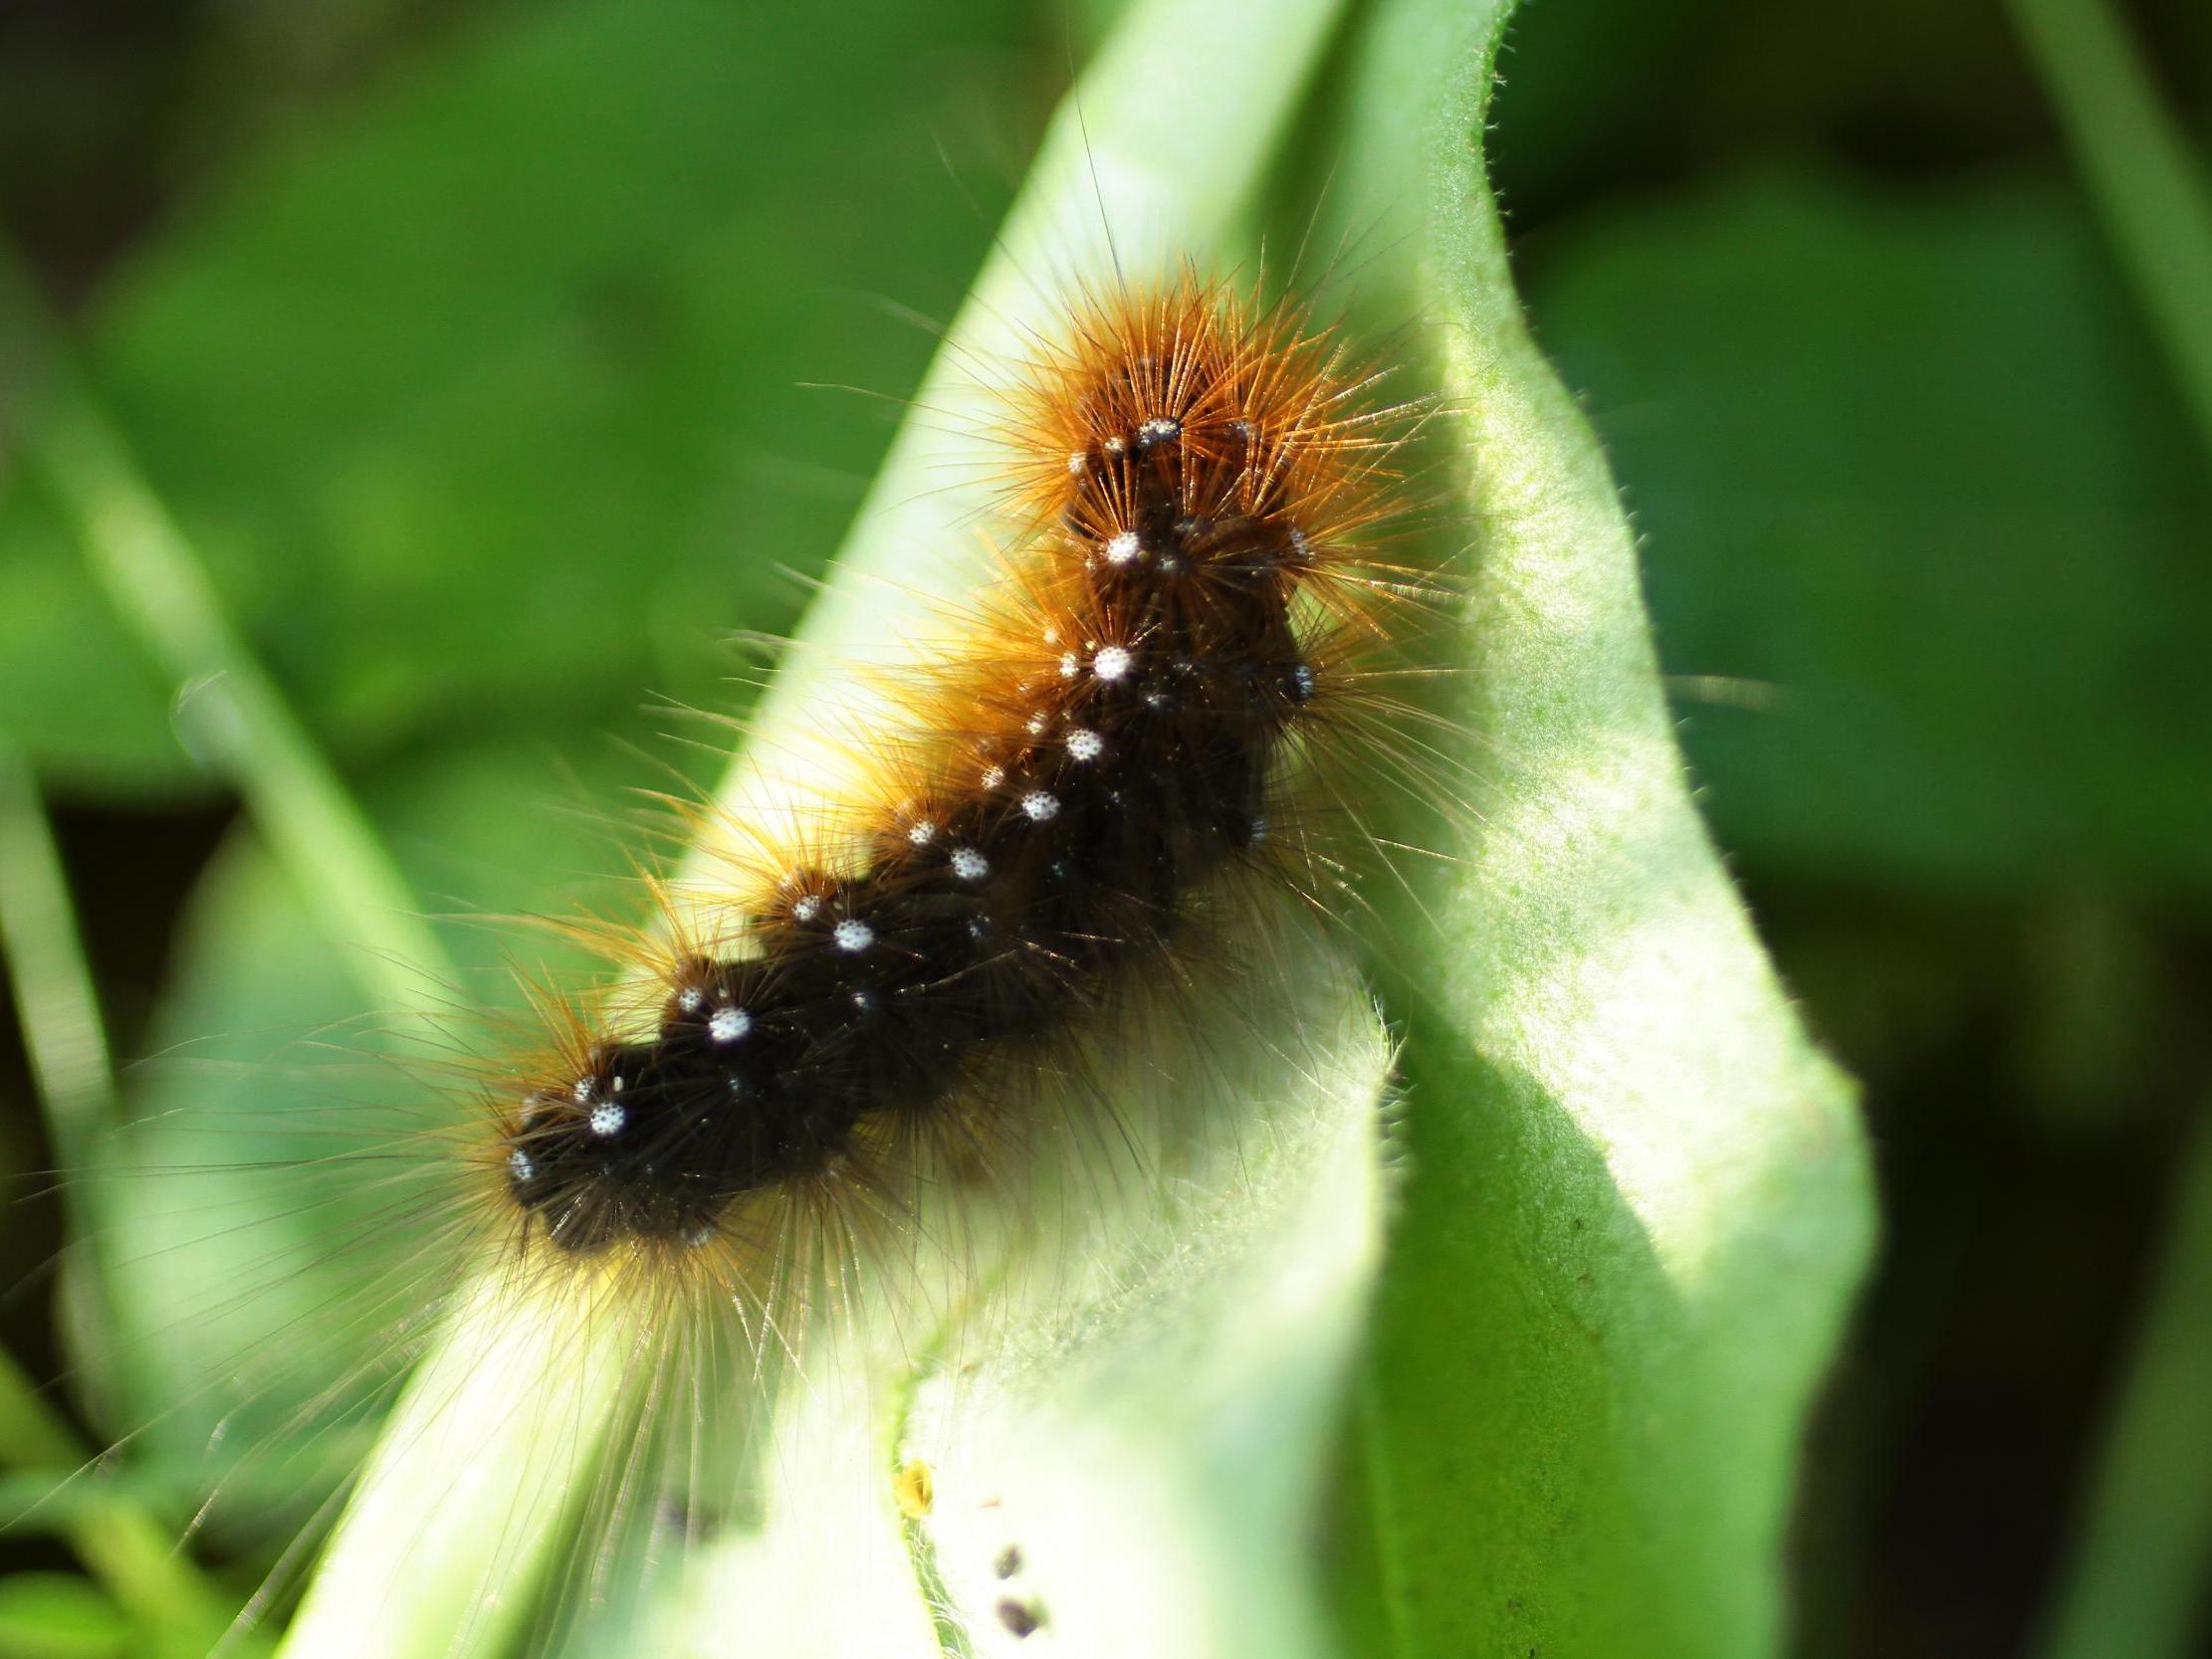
[{"x": 1118, "y": 737}]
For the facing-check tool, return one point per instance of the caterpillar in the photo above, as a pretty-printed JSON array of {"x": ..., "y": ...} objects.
[{"x": 1119, "y": 737}]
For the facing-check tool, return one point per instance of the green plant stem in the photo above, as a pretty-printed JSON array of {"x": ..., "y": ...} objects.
[
  {"x": 57, "y": 1007},
  {"x": 2139, "y": 167},
  {"x": 238, "y": 717},
  {"x": 54, "y": 996},
  {"x": 2137, "y": 1582}
]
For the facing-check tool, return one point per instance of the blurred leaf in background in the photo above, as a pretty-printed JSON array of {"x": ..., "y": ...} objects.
[
  {"x": 434, "y": 369},
  {"x": 1909, "y": 469}
]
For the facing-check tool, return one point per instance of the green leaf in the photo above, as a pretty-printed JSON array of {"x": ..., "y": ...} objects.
[
  {"x": 1971, "y": 637},
  {"x": 1637, "y": 1197}
]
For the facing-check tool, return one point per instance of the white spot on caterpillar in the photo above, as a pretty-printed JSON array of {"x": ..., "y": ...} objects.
[
  {"x": 1070, "y": 663},
  {"x": 1302, "y": 678},
  {"x": 993, "y": 776},
  {"x": 585, "y": 1088},
  {"x": 1160, "y": 429},
  {"x": 853, "y": 936},
  {"x": 1079, "y": 464},
  {"x": 1111, "y": 663},
  {"x": 806, "y": 907},
  {"x": 1116, "y": 446},
  {"x": 607, "y": 1119},
  {"x": 729, "y": 1024},
  {"x": 619, "y": 1081},
  {"x": 1300, "y": 547},
  {"x": 921, "y": 832},
  {"x": 1085, "y": 745},
  {"x": 1122, "y": 547},
  {"x": 520, "y": 1165},
  {"x": 1036, "y": 725},
  {"x": 1040, "y": 806},
  {"x": 692, "y": 999},
  {"x": 970, "y": 865}
]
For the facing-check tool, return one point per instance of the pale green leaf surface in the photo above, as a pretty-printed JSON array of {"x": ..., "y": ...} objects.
[
  {"x": 1637, "y": 1197},
  {"x": 1129, "y": 1450}
]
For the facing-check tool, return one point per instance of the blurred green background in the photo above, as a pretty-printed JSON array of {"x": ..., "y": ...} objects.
[{"x": 469, "y": 341}]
